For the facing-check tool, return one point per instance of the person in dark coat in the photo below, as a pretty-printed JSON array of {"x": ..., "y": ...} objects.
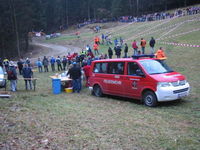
[
  {"x": 27, "y": 74},
  {"x": 45, "y": 64},
  {"x": 58, "y": 61},
  {"x": 75, "y": 75},
  {"x": 110, "y": 53},
  {"x": 20, "y": 66},
  {"x": 12, "y": 77},
  {"x": 118, "y": 51},
  {"x": 152, "y": 44},
  {"x": 125, "y": 50}
]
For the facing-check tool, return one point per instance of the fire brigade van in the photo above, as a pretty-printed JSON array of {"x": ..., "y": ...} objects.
[{"x": 142, "y": 77}]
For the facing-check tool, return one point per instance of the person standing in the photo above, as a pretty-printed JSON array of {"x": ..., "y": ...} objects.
[
  {"x": 12, "y": 76},
  {"x": 152, "y": 44},
  {"x": 52, "y": 62},
  {"x": 102, "y": 38},
  {"x": 39, "y": 65},
  {"x": 118, "y": 51},
  {"x": 64, "y": 62},
  {"x": 27, "y": 74},
  {"x": 125, "y": 50},
  {"x": 135, "y": 47},
  {"x": 143, "y": 45},
  {"x": 160, "y": 54},
  {"x": 20, "y": 66},
  {"x": 75, "y": 75},
  {"x": 45, "y": 64},
  {"x": 110, "y": 53},
  {"x": 6, "y": 63},
  {"x": 86, "y": 69},
  {"x": 96, "y": 49},
  {"x": 58, "y": 61}
]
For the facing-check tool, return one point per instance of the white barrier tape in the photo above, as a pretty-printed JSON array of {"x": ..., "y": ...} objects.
[
  {"x": 179, "y": 44},
  {"x": 140, "y": 34},
  {"x": 179, "y": 34}
]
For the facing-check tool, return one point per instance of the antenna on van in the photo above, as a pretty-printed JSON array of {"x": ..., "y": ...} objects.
[{"x": 143, "y": 55}]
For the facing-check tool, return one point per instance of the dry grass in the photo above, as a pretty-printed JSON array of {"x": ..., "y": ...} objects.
[{"x": 41, "y": 120}]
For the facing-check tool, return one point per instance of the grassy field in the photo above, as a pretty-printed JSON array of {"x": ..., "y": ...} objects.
[{"x": 41, "y": 120}]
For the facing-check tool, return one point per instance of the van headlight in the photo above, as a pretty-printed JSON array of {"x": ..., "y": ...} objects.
[{"x": 164, "y": 84}]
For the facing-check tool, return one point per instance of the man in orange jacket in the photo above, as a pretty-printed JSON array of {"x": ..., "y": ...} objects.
[
  {"x": 143, "y": 45},
  {"x": 96, "y": 48},
  {"x": 160, "y": 54}
]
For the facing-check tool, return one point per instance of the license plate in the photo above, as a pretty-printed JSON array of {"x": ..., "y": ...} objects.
[{"x": 182, "y": 95}]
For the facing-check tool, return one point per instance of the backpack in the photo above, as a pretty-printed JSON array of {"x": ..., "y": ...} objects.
[{"x": 11, "y": 75}]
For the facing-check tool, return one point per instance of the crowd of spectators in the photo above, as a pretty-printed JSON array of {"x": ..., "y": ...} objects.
[{"x": 147, "y": 17}]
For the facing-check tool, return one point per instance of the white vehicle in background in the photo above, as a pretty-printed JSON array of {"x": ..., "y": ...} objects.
[{"x": 2, "y": 80}]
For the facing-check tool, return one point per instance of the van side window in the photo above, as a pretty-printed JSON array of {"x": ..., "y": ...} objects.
[
  {"x": 116, "y": 68},
  {"x": 100, "y": 68},
  {"x": 132, "y": 67}
]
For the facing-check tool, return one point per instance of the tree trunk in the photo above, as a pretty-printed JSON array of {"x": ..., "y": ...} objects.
[
  {"x": 16, "y": 28},
  {"x": 88, "y": 10}
]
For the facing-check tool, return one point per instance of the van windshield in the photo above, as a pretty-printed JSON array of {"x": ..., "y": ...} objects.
[{"x": 155, "y": 66}]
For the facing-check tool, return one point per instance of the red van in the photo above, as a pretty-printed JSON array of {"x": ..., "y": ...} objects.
[{"x": 146, "y": 79}]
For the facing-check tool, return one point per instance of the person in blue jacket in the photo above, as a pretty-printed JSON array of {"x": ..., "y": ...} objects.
[
  {"x": 27, "y": 74},
  {"x": 52, "y": 62}
]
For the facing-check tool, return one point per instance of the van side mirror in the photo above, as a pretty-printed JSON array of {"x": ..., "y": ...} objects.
[{"x": 140, "y": 73}]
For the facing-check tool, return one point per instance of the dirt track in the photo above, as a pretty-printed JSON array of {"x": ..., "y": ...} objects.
[{"x": 47, "y": 49}]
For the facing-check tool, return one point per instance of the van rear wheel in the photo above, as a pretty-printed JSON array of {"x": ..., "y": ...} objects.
[
  {"x": 97, "y": 91},
  {"x": 150, "y": 99}
]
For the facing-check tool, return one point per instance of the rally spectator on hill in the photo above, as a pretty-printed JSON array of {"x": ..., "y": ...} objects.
[
  {"x": 97, "y": 40},
  {"x": 52, "y": 62},
  {"x": 20, "y": 66},
  {"x": 110, "y": 53},
  {"x": 45, "y": 63},
  {"x": 96, "y": 49},
  {"x": 121, "y": 41},
  {"x": 58, "y": 61},
  {"x": 152, "y": 44},
  {"x": 135, "y": 47},
  {"x": 88, "y": 49},
  {"x": 12, "y": 76},
  {"x": 6, "y": 63},
  {"x": 86, "y": 69},
  {"x": 28, "y": 61},
  {"x": 160, "y": 54},
  {"x": 39, "y": 65},
  {"x": 27, "y": 74},
  {"x": 64, "y": 62},
  {"x": 116, "y": 42},
  {"x": 75, "y": 75},
  {"x": 102, "y": 38},
  {"x": 143, "y": 45},
  {"x": 125, "y": 50},
  {"x": 118, "y": 51}
]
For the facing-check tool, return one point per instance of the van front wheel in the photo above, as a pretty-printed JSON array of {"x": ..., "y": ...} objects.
[
  {"x": 150, "y": 99},
  {"x": 97, "y": 91}
]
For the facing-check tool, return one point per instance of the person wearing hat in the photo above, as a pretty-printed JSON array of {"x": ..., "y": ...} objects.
[{"x": 12, "y": 77}]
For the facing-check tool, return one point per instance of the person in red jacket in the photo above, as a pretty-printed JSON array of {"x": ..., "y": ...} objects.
[
  {"x": 135, "y": 47},
  {"x": 96, "y": 48},
  {"x": 86, "y": 69}
]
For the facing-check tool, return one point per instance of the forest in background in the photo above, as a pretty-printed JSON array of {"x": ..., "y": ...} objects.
[{"x": 19, "y": 17}]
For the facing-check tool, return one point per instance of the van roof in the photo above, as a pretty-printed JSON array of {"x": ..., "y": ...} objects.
[{"x": 123, "y": 59}]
